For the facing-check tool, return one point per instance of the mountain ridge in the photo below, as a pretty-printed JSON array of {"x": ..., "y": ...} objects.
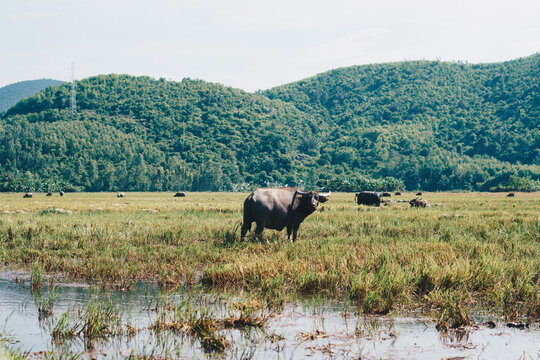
[
  {"x": 13, "y": 93},
  {"x": 429, "y": 125}
]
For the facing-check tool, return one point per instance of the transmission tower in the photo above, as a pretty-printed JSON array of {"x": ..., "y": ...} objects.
[{"x": 72, "y": 98}]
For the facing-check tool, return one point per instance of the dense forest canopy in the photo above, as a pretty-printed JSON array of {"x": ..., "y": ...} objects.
[
  {"x": 13, "y": 93},
  {"x": 418, "y": 125}
]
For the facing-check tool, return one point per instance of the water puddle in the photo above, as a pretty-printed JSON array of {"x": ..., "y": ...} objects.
[{"x": 149, "y": 324}]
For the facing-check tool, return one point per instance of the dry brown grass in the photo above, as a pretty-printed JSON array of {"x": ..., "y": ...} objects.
[{"x": 483, "y": 245}]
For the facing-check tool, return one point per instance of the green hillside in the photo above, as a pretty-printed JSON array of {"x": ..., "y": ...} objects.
[
  {"x": 13, "y": 93},
  {"x": 137, "y": 133},
  {"x": 430, "y": 125},
  {"x": 435, "y": 125}
]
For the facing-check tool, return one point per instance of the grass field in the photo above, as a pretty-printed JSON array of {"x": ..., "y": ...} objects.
[{"x": 469, "y": 250}]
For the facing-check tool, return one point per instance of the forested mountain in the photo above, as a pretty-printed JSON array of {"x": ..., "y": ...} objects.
[
  {"x": 13, "y": 93},
  {"x": 137, "y": 133},
  {"x": 420, "y": 124},
  {"x": 432, "y": 124}
]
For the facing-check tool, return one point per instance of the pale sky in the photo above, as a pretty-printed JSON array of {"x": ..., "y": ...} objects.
[{"x": 251, "y": 44}]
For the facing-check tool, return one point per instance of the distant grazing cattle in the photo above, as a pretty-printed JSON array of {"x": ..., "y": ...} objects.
[
  {"x": 386, "y": 194},
  {"x": 397, "y": 193},
  {"x": 49, "y": 194},
  {"x": 418, "y": 193},
  {"x": 180, "y": 194},
  {"x": 27, "y": 195},
  {"x": 120, "y": 194},
  {"x": 511, "y": 195},
  {"x": 276, "y": 208},
  {"x": 61, "y": 193},
  {"x": 368, "y": 198},
  {"x": 419, "y": 203}
]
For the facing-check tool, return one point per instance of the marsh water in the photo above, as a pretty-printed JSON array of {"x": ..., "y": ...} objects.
[{"x": 305, "y": 328}]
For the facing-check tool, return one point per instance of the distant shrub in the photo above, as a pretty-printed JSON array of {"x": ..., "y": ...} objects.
[{"x": 516, "y": 183}]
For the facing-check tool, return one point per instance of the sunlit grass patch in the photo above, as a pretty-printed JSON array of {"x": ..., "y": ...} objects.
[{"x": 483, "y": 245}]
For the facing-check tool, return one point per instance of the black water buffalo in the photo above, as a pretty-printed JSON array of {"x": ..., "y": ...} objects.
[
  {"x": 120, "y": 194},
  {"x": 419, "y": 193},
  {"x": 397, "y": 193},
  {"x": 419, "y": 203},
  {"x": 61, "y": 193},
  {"x": 368, "y": 198},
  {"x": 276, "y": 208},
  {"x": 180, "y": 194},
  {"x": 386, "y": 194},
  {"x": 27, "y": 195},
  {"x": 49, "y": 194},
  {"x": 511, "y": 195}
]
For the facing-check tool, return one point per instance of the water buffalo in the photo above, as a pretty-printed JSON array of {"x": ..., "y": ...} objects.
[
  {"x": 120, "y": 194},
  {"x": 49, "y": 194},
  {"x": 386, "y": 194},
  {"x": 61, "y": 193},
  {"x": 419, "y": 193},
  {"x": 27, "y": 195},
  {"x": 180, "y": 194},
  {"x": 419, "y": 203},
  {"x": 511, "y": 195},
  {"x": 276, "y": 208},
  {"x": 397, "y": 193},
  {"x": 368, "y": 198}
]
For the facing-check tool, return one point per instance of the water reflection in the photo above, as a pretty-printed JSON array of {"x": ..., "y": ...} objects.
[{"x": 148, "y": 323}]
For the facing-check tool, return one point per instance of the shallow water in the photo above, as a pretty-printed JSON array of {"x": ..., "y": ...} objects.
[{"x": 307, "y": 328}]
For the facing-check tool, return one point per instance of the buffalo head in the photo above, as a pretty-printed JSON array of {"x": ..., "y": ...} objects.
[{"x": 312, "y": 199}]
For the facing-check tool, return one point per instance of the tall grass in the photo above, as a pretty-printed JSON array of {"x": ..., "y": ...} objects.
[
  {"x": 97, "y": 320},
  {"x": 485, "y": 246},
  {"x": 36, "y": 278}
]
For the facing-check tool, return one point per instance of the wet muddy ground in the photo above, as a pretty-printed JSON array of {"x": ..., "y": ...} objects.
[{"x": 305, "y": 328}]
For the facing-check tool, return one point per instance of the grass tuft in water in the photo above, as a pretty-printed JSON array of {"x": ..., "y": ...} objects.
[
  {"x": 453, "y": 313},
  {"x": 36, "y": 278},
  {"x": 65, "y": 328},
  {"x": 45, "y": 304},
  {"x": 100, "y": 320}
]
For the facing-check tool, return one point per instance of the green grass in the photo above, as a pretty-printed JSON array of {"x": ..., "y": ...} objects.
[
  {"x": 36, "y": 278},
  {"x": 45, "y": 303},
  {"x": 97, "y": 320},
  {"x": 483, "y": 247}
]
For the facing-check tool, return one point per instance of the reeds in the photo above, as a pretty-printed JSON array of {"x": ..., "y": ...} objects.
[
  {"x": 197, "y": 322},
  {"x": 45, "y": 304},
  {"x": 207, "y": 318},
  {"x": 393, "y": 257},
  {"x": 36, "y": 277},
  {"x": 453, "y": 314},
  {"x": 97, "y": 320}
]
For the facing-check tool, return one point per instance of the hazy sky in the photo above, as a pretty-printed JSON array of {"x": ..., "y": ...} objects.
[{"x": 253, "y": 44}]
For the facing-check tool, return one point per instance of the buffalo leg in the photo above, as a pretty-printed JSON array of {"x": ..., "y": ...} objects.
[
  {"x": 289, "y": 231},
  {"x": 246, "y": 226},
  {"x": 259, "y": 229},
  {"x": 295, "y": 231}
]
